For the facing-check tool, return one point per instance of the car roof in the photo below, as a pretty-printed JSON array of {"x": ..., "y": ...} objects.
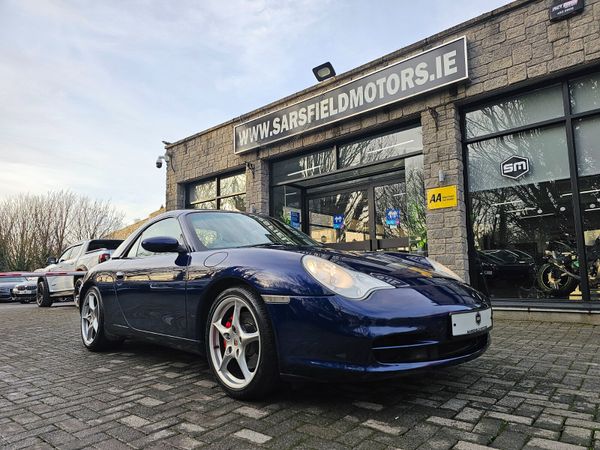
[{"x": 182, "y": 212}]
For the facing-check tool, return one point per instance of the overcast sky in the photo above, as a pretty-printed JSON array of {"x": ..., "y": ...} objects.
[{"x": 89, "y": 89}]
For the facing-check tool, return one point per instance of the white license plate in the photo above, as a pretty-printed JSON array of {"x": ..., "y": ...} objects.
[
  {"x": 25, "y": 292},
  {"x": 471, "y": 322}
]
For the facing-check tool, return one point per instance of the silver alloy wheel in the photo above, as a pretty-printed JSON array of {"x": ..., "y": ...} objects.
[
  {"x": 39, "y": 295},
  {"x": 234, "y": 342},
  {"x": 89, "y": 317}
]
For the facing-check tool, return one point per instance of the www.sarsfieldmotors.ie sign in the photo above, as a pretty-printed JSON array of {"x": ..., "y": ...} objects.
[{"x": 432, "y": 69}]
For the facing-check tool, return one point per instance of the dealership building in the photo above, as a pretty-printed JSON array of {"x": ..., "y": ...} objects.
[{"x": 478, "y": 146}]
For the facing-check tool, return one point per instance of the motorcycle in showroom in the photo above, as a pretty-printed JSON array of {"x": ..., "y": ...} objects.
[{"x": 559, "y": 275}]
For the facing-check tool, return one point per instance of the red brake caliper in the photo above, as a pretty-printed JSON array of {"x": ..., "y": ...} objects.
[{"x": 227, "y": 325}]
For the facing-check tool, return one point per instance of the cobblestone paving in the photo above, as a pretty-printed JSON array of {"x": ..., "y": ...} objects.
[{"x": 537, "y": 387}]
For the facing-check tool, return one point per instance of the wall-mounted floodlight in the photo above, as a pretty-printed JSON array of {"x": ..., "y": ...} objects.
[{"x": 324, "y": 71}]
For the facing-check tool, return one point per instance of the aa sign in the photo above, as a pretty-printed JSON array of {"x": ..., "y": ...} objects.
[{"x": 443, "y": 197}]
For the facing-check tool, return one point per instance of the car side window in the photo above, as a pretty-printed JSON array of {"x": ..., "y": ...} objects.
[
  {"x": 167, "y": 227},
  {"x": 66, "y": 254},
  {"x": 75, "y": 251},
  {"x": 134, "y": 248}
]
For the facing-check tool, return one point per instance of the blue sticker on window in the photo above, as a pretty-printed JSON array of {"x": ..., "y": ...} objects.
[
  {"x": 338, "y": 221},
  {"x": 392, "y": 216},
  {"x": 295, "y": 219}
]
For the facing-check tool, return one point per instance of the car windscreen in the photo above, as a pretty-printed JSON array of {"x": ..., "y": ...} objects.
[
  {"x": 108, "y": 244},
  {"x": 217, "y": 230}
]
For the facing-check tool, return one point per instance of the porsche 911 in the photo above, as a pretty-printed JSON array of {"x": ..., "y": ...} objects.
[{"x": 264, "y": 302}]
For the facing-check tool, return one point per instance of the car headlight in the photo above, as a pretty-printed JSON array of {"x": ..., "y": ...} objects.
[
  {"x": 342, "y": 281},
  {"x": 440, "y": 268}
]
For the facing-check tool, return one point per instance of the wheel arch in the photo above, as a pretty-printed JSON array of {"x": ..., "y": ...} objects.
[
  {"x": 84, "y": 288},
  {"x": 211, "y": 294}
]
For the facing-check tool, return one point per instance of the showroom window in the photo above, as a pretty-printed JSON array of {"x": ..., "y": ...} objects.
[
  {"x": 585, "y": 101},
  {"x": 224, "y": 192},
  {"x": 534, "y": 193},
  {"x": 364, "y": 194}
]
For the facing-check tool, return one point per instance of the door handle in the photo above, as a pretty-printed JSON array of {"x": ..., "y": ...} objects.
[
  {"x": 158, "y": 287},
  {"x": 120, "y": 276}
]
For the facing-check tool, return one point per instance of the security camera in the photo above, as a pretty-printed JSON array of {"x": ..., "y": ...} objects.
[{"x": 160, "y": 159}]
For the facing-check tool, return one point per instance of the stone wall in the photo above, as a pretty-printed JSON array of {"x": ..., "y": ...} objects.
[{"x": 512, "y": 45}]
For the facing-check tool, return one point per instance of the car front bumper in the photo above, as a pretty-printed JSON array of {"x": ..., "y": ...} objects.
[
  {"x": 393, "y": 332},
  {"x": 21, "y": 296}
]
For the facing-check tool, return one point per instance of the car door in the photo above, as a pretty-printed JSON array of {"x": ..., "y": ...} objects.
[
  {"x": 66, "y": 263},
  {"x": 151, "y": 287}
]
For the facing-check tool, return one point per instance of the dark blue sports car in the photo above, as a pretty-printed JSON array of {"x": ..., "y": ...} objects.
[{"x": 265, "y": 301}]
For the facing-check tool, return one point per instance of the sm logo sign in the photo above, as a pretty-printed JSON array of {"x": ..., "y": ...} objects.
[{"x": 515, "y": 167}]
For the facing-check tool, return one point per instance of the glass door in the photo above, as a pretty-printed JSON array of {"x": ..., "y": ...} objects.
[
  {"x": 383, "y": 212},
  {"x": 400, "y": 211},
  {"x": 340, "y": 219}
]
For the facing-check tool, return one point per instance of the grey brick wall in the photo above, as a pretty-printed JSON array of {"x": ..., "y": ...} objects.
[
  {"x": 442, "y": 150},
  {"x": 508, "y": 46}
]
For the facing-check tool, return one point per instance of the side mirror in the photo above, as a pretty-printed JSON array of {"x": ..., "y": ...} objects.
[
  {"x": 162, "y": 244},
  {"x": 51, "y": 260}
]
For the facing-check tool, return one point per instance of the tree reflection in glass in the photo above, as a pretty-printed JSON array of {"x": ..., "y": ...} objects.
[
  {"x": 354, "y": 211},
  {"x": 524, "y": 216},
  {"x": 587, "y": 144},
  {"x": 408, "y": 198},
  {"x": 379, "y": 148}
]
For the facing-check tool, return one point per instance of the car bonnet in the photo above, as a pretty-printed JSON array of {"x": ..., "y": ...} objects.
[{"x": 396, "y": 268}]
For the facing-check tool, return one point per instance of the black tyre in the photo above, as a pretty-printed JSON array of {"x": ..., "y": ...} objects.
[
  {"x": 240, "y": 345},
  {"x": 77, "y": 287},
  {"x": 42, "y": 296},
  {"x": 93, "y": 334},
  {"x": 555, "y": 282}
]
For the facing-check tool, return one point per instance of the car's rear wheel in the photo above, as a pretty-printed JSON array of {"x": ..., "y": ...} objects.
[
  {"x": 42, "y": 296},
  {"x": 93, "y": 334},
  {"x": 240, "y": 344}
]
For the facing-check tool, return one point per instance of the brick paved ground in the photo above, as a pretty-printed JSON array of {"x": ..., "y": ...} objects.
[{"x": 537, "y": 387}]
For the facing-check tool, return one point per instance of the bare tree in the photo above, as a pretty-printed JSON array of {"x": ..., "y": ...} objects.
[{"x": 33, "y": 227}]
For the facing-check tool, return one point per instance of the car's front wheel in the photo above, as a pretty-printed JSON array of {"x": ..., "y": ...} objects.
[
  {"x": 92, "y": 322},
  {"x": 240, "y": 344},
  {"x": 42, "y": 297}
]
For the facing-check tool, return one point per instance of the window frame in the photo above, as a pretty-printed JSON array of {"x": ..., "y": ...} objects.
[
  {"x": 218, "y": 197},
  {"x": 388, "y": 129}
]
